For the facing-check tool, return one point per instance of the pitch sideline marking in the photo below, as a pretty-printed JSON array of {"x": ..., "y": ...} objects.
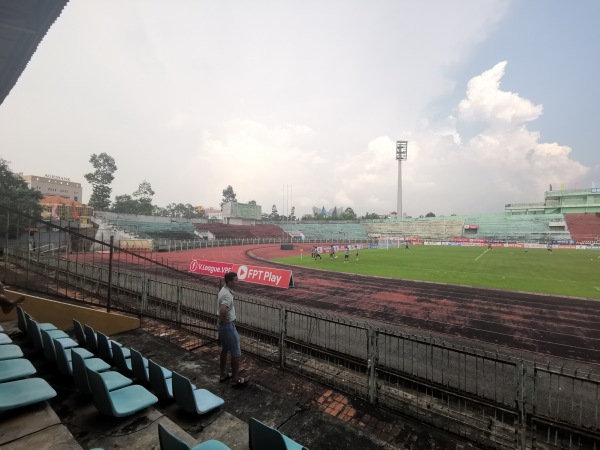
[{"x": 486, "y": 250}]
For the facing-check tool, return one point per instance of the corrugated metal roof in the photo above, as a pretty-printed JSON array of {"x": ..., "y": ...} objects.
[{"x": 23, "y": 25}]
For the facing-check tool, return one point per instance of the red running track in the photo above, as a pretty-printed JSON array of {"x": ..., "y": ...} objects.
[{"x": 563, "y": 327}]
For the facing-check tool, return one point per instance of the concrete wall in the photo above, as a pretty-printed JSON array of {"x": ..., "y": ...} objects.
[{"x": 62, "y": 314}]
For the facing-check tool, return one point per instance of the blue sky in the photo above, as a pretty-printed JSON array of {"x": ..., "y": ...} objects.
[{"x": 300, "y": 103}]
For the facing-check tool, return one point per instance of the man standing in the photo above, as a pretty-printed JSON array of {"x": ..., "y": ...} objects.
[{"x": 230, "y": 339}]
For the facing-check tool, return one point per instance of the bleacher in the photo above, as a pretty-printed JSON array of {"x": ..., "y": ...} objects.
[
  {"x": 142, "y": 229},
  {"x": 428, "y": 228},
  {"x": 131, "y": 227},
  {"x": 224, "y": 231},
  {"x": 516, "y": 228},
  {"x": 584, "y": 227},
  {"x": 328, "y": 232}
]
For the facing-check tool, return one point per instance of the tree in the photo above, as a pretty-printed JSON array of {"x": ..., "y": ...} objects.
[
  {"x": 100, "y": 180},
  {"x": 371, "y": 216},
  {"x": 274, "y": 214},
  {"x": 430, "y": 214},
  {"x": 348, "y": 214},
  {"x": 144, "y": 198},
  {"x": 292, "y": 215},
  {"x": 307, "y": 217},
  {"x": 125, "y": 204},
  {"x": 228, "y": 195},
  {"x": 16, "y": 194},
  {"x": 252, "y": 202}
]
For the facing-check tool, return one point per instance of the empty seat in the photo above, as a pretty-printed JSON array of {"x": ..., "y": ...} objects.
[
  {"x": 161, "y": 381},
  {"x": 113, "y": 380},
  {"x": 49, "y": 348},
  {"x": 22, "y": 322},
  {"x": 79, "y": 333},
  {"x": 14, "y": 394},
  {"x": 122, "y": 363},
  {"x": 263, "y": 437},
  {"x": 36, "y": 335},
  {"x": 120, "y": 402},
  {"x": 105, "y": 346},
  {"x": 64, "y": 358},
  {"x": 91, "y": 341},
  {"x": 14, "y": 369},
  {"x": 10, "y": 351},
  {"x": 139, "y": 365},
  {"x": 4, "y": 339},
  {"x": 170, "y": 442},
  {"x": 191, "y": 399}
]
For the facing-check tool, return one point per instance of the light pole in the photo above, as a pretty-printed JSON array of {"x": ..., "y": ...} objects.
[{"x": 401, "y": 149}]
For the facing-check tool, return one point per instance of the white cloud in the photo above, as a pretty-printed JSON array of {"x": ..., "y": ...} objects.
[{"x": 486, "y": 102}]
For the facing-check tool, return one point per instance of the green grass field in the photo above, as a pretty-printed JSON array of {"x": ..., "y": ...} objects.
[{"x": 562, "y": 272}]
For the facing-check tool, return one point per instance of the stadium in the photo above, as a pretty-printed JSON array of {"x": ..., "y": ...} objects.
[
  {"x": 384, "y": 328},
  {"x": 478, "y": 331}
]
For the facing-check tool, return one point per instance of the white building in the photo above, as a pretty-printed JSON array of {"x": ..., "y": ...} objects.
[{"x": 55, "y": 185}]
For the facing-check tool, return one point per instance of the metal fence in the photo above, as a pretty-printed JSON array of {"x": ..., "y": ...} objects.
[{"x": 491, "y": 399}]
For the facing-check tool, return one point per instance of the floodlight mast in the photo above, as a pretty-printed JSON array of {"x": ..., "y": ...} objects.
[{"x": 401, "y": 150}]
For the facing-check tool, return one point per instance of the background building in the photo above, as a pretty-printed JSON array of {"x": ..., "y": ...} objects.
[{"x": 55, "y": 185}]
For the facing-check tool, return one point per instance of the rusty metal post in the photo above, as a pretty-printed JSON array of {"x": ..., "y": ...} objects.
[
  {"x": 282, "y": 335},
  {"x": 110, "y": 261}
]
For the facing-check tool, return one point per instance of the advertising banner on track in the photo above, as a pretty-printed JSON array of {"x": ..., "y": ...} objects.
[{"x": 268, "y": 276}]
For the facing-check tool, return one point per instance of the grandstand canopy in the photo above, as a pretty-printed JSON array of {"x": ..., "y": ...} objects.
[{"x": 23, "y": 25}]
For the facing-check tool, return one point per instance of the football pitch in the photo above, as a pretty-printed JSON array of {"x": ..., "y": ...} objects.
[{"x": 561, "y": 272}]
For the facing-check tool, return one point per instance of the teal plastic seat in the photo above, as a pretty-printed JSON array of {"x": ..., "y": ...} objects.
[
  {"x": 14, "y": 394},
  {"x": 122, "y": 363},
  {"x": 105, "y": 346},
  {"x": 191, "y": 399},
  {"x": 139, "y": 365},
  {"x": 263, "y": 437},
  {"x": 79, "y": 333},
  {"x": 15, "y": 369},
  {"x": 49, "y": 345},
  {"x": 91, "y": 341},
  {"x": 10, "y": 351},
  {"x": 22, "y": 318},
  {"x": 36, "y": 335},
  {"x": 113, "y": 380},
  {"x": 120, "y": 402},
  {"x": 64, "y": 357},
  {"x": 1, "y": 329},
  {"x": 170, "y": 442},
  {"x": 4, "y": 339},
  {"x": 161, "y": 381}
]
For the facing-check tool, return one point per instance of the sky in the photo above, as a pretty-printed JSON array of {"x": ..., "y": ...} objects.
[{"x": 300, "y": 103}]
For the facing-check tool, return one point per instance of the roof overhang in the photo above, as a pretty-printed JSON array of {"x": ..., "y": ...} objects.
[{"x": 23, "y": 25}]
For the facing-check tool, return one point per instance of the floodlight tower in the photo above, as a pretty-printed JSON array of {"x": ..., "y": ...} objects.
[{"x": 401, "y": 148}]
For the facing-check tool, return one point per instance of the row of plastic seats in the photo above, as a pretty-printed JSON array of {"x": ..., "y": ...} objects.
[
  {"x": 17, "y": 389},
  {"x": 164, "y": 383}
]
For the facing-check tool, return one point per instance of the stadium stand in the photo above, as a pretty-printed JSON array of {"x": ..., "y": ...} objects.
[
  {"x": 129, "y": 226},
  {"x": 584, "y": 227},
  {"x": 224, "y": 231},
  {"x": 328, "y": 232},
  {"x": 502, "y": 227},
  {"x": 430, "y": 228}
]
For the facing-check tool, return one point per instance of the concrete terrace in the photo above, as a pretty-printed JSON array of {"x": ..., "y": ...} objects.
[{"x": 308, "y": 412}]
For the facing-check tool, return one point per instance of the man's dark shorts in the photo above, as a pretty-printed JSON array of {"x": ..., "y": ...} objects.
[{"x": 230, "y": 339}]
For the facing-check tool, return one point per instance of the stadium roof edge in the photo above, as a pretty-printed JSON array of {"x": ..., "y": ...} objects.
[{"x": 23, "y": 25}]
